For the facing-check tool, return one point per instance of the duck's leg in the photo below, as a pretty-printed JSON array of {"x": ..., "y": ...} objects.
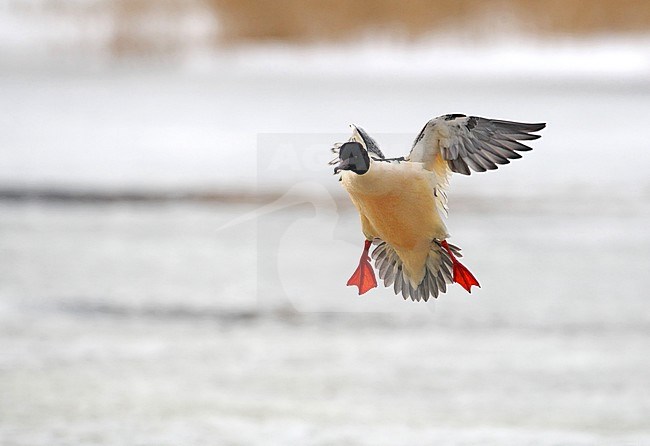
[
  {"x": 364, "y": 276},
  {"x": 461, "y": 274}
]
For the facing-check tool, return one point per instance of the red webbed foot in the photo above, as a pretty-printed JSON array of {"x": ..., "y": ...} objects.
[
  {"x": 462, "y": 275},
  {"x": 364, "y": 276}
]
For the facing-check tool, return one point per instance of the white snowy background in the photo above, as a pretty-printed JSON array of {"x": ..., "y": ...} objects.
[{"x": 166, "y": 320}]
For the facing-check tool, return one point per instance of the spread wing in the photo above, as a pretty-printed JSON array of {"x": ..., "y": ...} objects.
[
  {"x": 456, "y": 143},
  {"x": 461, "y": 143}
]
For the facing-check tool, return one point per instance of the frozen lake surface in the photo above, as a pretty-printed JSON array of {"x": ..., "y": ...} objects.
[
  {"x": 143, "y": 324},
  {"x": 165, "y": 323}
]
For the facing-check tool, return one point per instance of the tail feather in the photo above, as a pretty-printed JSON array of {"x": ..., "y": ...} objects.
[{"x": 441, "y": 268}]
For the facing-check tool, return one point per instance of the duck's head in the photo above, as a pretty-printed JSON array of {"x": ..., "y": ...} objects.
[{"x": 354, "y": 157}]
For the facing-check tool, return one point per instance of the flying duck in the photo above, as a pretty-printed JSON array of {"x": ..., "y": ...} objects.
[{"x": 402, "y": 202}]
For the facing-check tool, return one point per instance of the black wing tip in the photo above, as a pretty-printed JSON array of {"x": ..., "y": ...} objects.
[
  {"x": 519, "y": 126},
  {"x": 535, "y": 127},
  {"x": 525, "y": 132},
  {"x": 459, "y": 166},
  {"x": 530, "y": 128}
]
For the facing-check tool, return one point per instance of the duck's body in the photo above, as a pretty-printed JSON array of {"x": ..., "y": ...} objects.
[
  {"x": 396, "y": 204},
  {"x": 402, "y": 202}
]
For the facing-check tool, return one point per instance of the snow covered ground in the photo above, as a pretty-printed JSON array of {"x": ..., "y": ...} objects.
[{"x": 165, "y": 323}]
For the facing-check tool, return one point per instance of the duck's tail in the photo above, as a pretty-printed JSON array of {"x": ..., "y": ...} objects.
[{"x": 442, "y": 267}]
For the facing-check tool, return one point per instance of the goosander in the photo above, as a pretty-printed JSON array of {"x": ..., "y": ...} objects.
[{"x": 402, "y": 202}]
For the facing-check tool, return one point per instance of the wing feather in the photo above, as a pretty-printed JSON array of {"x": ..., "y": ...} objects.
[
  {"x": 474, "y": 164},
  {"x": 469, "y": 143},
  {"x": 361, "y": 136}
]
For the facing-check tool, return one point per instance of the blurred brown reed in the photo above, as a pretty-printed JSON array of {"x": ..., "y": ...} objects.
[
  {"x": 335, "y": 19},
  {"x": 165, "y": 26}
]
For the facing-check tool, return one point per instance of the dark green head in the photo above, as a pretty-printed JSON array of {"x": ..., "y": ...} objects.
[{"x": 353, "y": 157}]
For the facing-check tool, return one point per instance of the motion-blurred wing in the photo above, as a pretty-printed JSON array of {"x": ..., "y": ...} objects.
[
  {"x": 359, "y": 135},
  {"x": 463, "y": 142}
]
